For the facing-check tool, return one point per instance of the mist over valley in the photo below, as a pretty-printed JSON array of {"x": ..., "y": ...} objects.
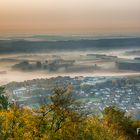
[{"x": 24, "y": 59}]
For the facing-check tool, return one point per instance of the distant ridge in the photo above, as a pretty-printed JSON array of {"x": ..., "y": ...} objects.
[{"x": 26, "y": 46}]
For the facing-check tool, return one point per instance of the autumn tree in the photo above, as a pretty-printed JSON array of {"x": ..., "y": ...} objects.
[
  {"x": 60, "y": 119},
  {"x": 59, "y": 114},
  {"x": 119, "y": 125}
]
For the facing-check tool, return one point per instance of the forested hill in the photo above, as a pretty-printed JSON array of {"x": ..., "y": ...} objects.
[{"x": 23, "y": 46}]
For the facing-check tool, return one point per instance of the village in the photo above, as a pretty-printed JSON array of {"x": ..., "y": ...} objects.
[{"x": 94, "y": 93}]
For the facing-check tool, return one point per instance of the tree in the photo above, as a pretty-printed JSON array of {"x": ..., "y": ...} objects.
[
  {"x": 118, "y": 124},
  {"x": 38, "y": 64},
  {"x": 4, "y": 104},
  {"x": 61, "y": 107},
  {"x": 59, "y": 119}
]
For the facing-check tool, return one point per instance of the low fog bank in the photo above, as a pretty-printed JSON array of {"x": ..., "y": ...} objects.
[
  {"x": 22, "y": 76},
  {"x": 84, "y": 63}
]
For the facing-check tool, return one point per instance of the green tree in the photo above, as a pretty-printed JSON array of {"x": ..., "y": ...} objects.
[
  {"x": 38, "y": 64},
  {"x": 4, "y": 104}
]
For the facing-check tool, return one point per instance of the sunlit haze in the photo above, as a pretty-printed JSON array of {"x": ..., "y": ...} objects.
[{"x": 69, "y": 16}]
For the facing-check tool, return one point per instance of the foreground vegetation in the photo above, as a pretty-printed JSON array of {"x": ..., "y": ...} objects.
[{"x": 62, "y": 119}]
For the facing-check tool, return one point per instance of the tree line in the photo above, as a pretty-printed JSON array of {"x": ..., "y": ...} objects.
[{"x": 62, "y": 119}]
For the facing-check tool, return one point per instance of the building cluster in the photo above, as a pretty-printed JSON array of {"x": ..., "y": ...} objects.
[{"x": 94, "y": 93}]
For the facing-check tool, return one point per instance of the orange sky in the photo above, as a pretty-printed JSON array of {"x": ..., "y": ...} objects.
[{"x": 69, "y": 16}]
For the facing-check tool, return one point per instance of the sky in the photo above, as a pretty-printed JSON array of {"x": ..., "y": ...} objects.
[{"x": 69, "y": 16}]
